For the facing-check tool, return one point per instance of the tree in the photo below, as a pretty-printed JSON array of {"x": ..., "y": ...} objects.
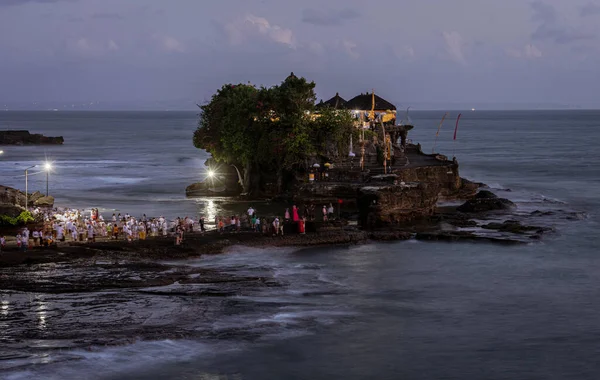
[
  {"x": 270, "y": 132},
  {"x": 226, "y": 127}
]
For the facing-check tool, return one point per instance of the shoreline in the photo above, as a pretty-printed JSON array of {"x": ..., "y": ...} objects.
[{"x": 196, "y": 244}]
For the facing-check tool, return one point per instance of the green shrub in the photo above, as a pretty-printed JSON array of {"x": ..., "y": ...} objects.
[{"x": 23, "y": 218}]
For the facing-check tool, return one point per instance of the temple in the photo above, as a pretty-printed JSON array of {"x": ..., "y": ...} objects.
[{"x": 389, "y": 179}]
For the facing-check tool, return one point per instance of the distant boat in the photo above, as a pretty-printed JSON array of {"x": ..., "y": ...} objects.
[{"x": 472, "y": 109}]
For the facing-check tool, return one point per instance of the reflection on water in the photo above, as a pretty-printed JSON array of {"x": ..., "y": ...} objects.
[
  {"x": 212, "y": 207},
  {"x": 41, "y": 314},
  {"x": 4, "y": 308}
]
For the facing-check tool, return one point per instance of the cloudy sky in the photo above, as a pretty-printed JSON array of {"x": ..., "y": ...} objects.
[{"x": 409, "y": 51}]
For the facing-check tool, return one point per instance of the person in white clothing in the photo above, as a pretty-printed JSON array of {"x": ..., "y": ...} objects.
[
  {"x": 90, "y": 232},
  {"x": 59, "y": 233},
  {"x": 36, "y": 236}
]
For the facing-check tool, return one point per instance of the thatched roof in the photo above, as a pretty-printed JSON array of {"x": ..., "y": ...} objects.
[
  {"x": 337, "y": 102},
  {"x": 364, "y": 102}
]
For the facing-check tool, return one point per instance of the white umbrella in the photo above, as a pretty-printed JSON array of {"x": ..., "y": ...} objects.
[{"x": 316, "y": 166}]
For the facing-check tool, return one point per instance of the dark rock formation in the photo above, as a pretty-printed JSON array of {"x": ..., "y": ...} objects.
[
  {"x": 46, "y": 202},
  {"x": 452, "y": 236},
  {"x": 26, "y": 138},
  {"x": 10, "y": 210},
  {"x": 396, "y": 204},
  {"x": 515, "y": 227},
  {"x": 14, "y": 197},
  {"x": 486, "y": 201}
]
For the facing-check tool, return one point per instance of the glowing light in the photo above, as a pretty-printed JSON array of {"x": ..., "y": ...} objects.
[
  {"x": 48, "y": 166},
  {"x": 1, "y": 152},
  {"x": 211, "y": 174}
]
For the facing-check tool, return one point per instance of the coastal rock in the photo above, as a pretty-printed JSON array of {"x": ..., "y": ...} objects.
[
  {"x": 515, "y": 227},
  {"x": 11, "y": 196},
  {"x": 453, "y": 236},
  {"x": 26, "y": 138},
  {"x": 444, "y": 174},
  {"x": 46, "y": 202},
  {"x": 34, "y": 197},
  {"x": 397, "y": 204},
  {"x": 390, "y": 235},
  {"x": 10, "y": 210},
  {"x": 486, "y": 201}
]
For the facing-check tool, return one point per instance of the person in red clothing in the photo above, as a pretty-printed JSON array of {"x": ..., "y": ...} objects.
[{"x": 301, "y": 226}]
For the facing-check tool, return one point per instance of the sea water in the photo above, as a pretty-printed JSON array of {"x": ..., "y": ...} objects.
[{"x": 405, "y": 310}]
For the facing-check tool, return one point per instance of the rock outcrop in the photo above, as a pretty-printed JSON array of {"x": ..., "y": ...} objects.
[
  {"x": 26, "y": 138},
  {"x": 45, "y": 202},
  {"x": 10, "y": 210},
  {"x": 13, "y": 197},
  {"x": 486, "y": 201},
  {"x": 381, "y": 206}
]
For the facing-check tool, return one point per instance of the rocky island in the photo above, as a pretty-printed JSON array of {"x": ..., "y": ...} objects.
[
  {"x": 26, "y": 138},
  {"x": 277, "y": 143}
]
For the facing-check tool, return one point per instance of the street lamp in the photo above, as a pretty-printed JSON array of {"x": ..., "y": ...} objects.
[
  {"x": 26, "y": 190},
  {"x": 47, "y": 167}
]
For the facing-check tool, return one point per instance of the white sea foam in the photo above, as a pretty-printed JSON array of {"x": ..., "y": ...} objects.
[{"x": 108, "y": 362}]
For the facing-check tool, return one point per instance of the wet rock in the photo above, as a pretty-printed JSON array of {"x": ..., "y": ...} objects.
[
  {"x": 568, "y": 215},
  {"x": 454, "y": 236},
  {"x": 486, "y": 201},
  {"x": 485, "y": 194},
  {"x": 515, "y": 227},
  {"x": 390, "y": 235}
]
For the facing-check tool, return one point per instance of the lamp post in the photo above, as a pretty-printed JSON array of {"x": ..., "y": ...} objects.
[
  {"x": 26, "y": 189},
  {"x": 47, "y": 167}
]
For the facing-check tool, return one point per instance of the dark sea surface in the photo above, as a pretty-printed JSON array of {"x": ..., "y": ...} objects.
[{"x": 406, "y": 310}]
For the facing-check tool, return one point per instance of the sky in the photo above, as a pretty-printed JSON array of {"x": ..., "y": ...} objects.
[{"x": 411, "y": 52}]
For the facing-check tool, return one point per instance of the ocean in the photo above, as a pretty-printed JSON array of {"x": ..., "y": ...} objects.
[{"x": 402, "y": 310}]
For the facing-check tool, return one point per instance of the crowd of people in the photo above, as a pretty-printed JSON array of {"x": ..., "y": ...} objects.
[
  {"x": 77, "y": 226},
  {"x": 296, "y": 219},
  {"x": 60, "y": 225}
]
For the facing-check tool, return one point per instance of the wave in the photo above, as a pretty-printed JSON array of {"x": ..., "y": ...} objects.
[
  {"x": 99, "y": 363},
  {"x": 120, "y": 180}
]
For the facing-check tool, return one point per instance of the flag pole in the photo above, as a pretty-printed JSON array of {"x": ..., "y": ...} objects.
[
  {"x": 438, "y": 132},
  {"x": 455, "y": 131}
]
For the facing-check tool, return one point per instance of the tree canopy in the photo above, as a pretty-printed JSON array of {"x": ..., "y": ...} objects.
[{"x": 271, "y": 133}]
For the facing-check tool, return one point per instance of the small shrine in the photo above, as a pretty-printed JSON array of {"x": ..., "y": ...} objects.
[{"x": 381, "y": 147}]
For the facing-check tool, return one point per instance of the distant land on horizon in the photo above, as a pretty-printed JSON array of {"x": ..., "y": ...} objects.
[{"x": 188, "y": 105}]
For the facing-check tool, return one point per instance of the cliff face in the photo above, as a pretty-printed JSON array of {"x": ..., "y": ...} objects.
[
  {"x": 380, "y": 206},
  {"x": 26, "y": 138}
]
